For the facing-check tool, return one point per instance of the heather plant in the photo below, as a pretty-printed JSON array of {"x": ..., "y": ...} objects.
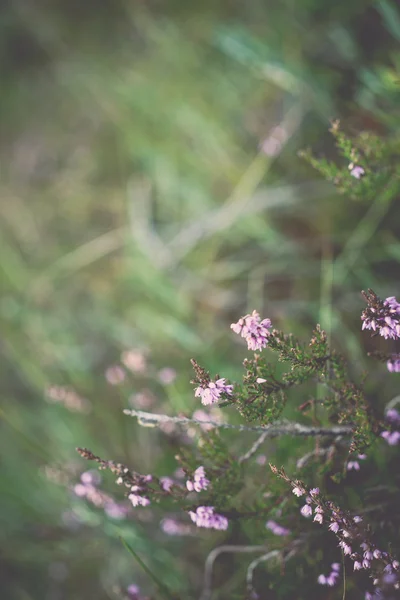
[
  {"x": 344, "y": 535},
  {"x": 218, "y": 493}
]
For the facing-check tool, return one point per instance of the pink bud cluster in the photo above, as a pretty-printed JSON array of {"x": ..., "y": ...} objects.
[
  {"x": 333, "y": 576},
  {"x": 87, "y": 488},
  {"x": 393, "y": 364},
  {"x": 253, "y": 330},
  {"x": 200, "y": 481},
  {"x": 383, "y": 317},
  {"x": 354, "y": 465},
  {"x": 212, "y": 392},
  {"x": 392, "y": 436},
  {"x": 137, "y": 493},
  {"x": 277, "y": 529},
  {"x": 350, "y": 532},
  {"x": 205, "y": 516}
]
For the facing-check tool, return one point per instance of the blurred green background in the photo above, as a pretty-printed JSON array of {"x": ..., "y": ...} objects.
[{"x": 151, "y": 193}]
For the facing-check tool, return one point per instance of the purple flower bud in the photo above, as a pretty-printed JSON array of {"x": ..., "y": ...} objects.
[
  {"x": 377, "y": 553},
  {"x": 334, "y": 526},
  {"x": 366, "y": 564},
  {"x": 357, "y": 565},
  {"x": 335, "y": 566}
]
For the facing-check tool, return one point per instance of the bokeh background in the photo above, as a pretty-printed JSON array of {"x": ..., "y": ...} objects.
[{"x": 151, "y": 193}]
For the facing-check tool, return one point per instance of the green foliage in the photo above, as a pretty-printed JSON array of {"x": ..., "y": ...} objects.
[{"x": 138, "y": 213}]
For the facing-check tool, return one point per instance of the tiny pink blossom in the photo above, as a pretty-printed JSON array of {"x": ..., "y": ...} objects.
[
  {"x": 306, "y": 511},
  {"x": 138, "y": 500},
  {"x": 298, "y": 491}
]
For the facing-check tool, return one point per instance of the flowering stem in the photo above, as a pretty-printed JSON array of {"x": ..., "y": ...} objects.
[{"x": 283, "y": 428}]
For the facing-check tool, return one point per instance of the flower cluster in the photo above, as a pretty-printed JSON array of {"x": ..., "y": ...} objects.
[
  {"x": 253, "y": 330},
  {"x": 354, "y": 463},
  {"x": 211, "y": 393},
  {"x": 206, "y": 517},
  {"x": 348, "y": 529},
  {"x": 393, "y": 364},
  {"x": 174, "y": 527},
  {"x": 87, "y": 488},
  {"x": 356, "y": 171},
  {"x": 382, "y": 317},
  {"x": 333, "y": 576},
  {"x": 200, "y": 482},
  {"x": 277, "y": 529},
  {"x": 392, "y": 436}
]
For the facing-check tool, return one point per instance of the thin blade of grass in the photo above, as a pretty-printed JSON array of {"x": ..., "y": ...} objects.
[{"x": 163, "y": 590}]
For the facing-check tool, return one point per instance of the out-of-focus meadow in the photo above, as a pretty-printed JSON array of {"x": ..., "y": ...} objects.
[{"x": 151, "y": 193}]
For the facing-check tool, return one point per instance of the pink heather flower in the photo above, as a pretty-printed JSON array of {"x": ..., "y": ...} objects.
[
  {"x": 314, "y": 492},
  {"x": 138, "y": 500},
  {"x": 172, "y": 527},
  {"x": 345, "y": 533},
  {"x": 392, "y": 438},
  {"x": 134, "y": 360},
  {"x": 133, "y": 592},
  {"x": 345, "y": 547},
  {"x": 384, "y": 318},
  {"x": 306, "y": 511},
  {"x": 206, "y": 517},
  {"x": 334, "y": 526},
  {"x": 332, "y": 578},
  {"x": 361, "y": 456},
  {"x": 322, "y": 580},
  {"x": 393, "y": 416},
  {"x": 395, "y": 564},
  {"x": 377, "y": 553},
  {"x": 115, "y": 511},
  {"x": 357, "y": 519},
  {"x": 200, "y": 482},
  {"x": 213, "y": 391},
  {"x": 166, "y": 376},
  {"x": 115, "y": 375},
  {"x": 335, "y": 566},
  {"x": 166, "y": 483},
  {"x": 318, "y": 518},
  {"x": 353, "y": 464},
  {"x": 80, "y": 490},
  {"x": 366, "y": 564},
  {"x": 91, "y": 477},
  {"x": 357, "y": 565},
  {"x": 276, "y": 528},
  {"x": 356, "y": 171},
  {"x": 298, "y": 491},
  {"x": 253, "y": 330}
]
